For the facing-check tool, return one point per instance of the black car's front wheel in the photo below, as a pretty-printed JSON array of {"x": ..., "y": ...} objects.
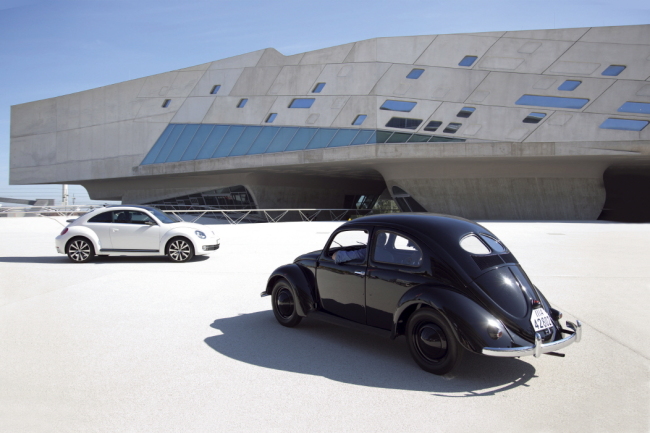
[
  {"x": 431, "y": 341},
  {"x": 284, "y": 304}
]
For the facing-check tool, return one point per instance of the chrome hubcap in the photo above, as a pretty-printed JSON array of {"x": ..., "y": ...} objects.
[
  {"x": 431, "y": 341},
  {"x": 179, "y": 250},
  {"x": 79, "y": 251},
  {"x": 284, "y": 302}
]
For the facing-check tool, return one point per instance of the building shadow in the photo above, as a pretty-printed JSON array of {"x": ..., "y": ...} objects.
[{"x": 357, "y": 358}]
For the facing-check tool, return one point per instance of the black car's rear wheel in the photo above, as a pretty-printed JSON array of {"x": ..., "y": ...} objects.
[
  {"x": 284, "y": 304},
  {"x": 432, "y": 342}
]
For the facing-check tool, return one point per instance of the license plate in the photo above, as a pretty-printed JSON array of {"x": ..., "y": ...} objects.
[{"x": 540, "y": 320}]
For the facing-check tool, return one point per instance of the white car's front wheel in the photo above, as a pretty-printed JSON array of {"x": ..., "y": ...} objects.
[
  {"x": 180, "y": 250},
  {"x": 80, "y": 250}
]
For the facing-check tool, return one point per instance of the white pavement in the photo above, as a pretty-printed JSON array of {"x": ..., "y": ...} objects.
[{"x": 146, "y": 345}]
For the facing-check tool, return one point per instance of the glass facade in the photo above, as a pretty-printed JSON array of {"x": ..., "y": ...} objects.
[
  {"x": 189, "y": 142},
  {"x": 234, "y": 197}
]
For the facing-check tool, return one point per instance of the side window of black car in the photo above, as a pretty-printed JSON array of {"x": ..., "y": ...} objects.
[
  {"x": 349, "y": 240},
  {"x": 104, "y": 217},
  {"x": 396, "y": 249}
]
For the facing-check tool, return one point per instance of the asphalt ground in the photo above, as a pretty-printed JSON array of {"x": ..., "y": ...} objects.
[{"x": 127, "y": 344}]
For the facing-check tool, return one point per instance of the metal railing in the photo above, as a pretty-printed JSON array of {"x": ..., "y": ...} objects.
[{"x": 231, "y": 216}]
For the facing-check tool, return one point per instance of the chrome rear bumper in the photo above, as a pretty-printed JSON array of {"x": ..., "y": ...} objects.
[{"x": 538, "y": 349}]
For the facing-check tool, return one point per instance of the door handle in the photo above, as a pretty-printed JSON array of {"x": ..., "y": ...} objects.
[
  {"x": 116, "y": 230},
  {"x": 360, "y": 273}
]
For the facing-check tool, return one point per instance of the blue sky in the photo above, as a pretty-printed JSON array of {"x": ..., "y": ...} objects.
[{"x": 55, "y": 47}]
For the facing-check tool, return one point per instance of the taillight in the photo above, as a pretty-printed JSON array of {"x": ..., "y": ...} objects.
[{"x": 65, "y": 230}]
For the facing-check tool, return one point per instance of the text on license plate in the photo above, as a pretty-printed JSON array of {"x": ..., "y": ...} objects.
[{"x": 540, "y": 319}]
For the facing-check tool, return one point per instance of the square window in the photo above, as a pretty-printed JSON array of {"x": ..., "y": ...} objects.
[
  {"x": 318, "y": 88},
  {"x": 166, "y": 102},
  {"x": 534, "y": 117},
  {"x": 398, "y": 105},
  {"x": 613, "y": 70},
  {"x": 302, "y": 103},
  {"x": 242, "y": 103},
  {"x": 433, "y": 126},
  {"x": 569, "y": 85},
  {"x": 466, "y": 112},
  {"x": 271, "y": 117},
  {"x": 452, "y": 128},
  {"x": 215, "y": 89},
  {"x": 359, "y": 119},
  {"x": 635, "y": 107},
  {"x": 415, "y": 74},
  {"x": 468, "y": 61}
]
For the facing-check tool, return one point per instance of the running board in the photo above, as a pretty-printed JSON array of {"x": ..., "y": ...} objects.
[
  {"x": 128, "y": 251},
  {"x": 339, "y": 321}
]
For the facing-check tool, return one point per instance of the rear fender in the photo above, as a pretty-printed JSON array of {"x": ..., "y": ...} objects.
[
  {"x": 84, "y": 232},
  {"x": 302, "y": 286},
  {"x": 468, "y": 319}
]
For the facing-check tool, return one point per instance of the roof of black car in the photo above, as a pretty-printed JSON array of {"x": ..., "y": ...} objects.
[{"x": 424, "y": 222}]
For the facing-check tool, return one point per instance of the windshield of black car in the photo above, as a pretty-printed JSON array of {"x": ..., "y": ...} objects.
[{"x": 162, "y": 217}]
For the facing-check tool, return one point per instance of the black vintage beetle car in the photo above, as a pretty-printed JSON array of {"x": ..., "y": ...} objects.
[{"x": 446, "y": 283}]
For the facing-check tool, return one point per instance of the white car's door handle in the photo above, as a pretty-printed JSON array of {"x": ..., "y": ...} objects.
[{"x": 116, "y": 230}]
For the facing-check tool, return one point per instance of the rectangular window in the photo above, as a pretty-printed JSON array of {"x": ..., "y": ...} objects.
[
  {"x": 635, "y": 107},
  {"x": 182, "y": 143},
  {"x": 263, "y": 140},
  {"x": 613, "y": 70},
  {"x": 212, "y": 142},
  {"x": 468, "y": 61},
  {"x": 318, "y": 88},
  {"x": 301, "y": 139},
  {"x": 569, "y": 85},
  {"x": 415, "y": 74},
  {"x": 343, "y": 138},
  {"x": 364, "y": 136},
  {"x": 215, "y": 89},
  {"x": 419, "y": 138},
  {"x": 322, "y": 138},
  {"x": 359, "y": 119},
  {"x": 534, "y": 117},
  {"x": 624, "y": 124},
  {"x": 271, "y": 117},
  {"x": 398, "y": 105},
  {"x": 281, "y": 140},
  {"x": 302, "y": 103},
  {"x": 197, "y": 142},
  {"x": 242, "y": 103},
  {"x": 228, "y": 141},
  {"x": 433, "y": 126},
  {"x": 552, "y": 101},
  {"x": 399, "y": 137},
  {"x": 246, "y": 140},
  {"x": 452, "y": 128},
  {"x": 403, "y": 123},
  {"x": 466, "y": 112},
  {"x": 166, "y": 102}
]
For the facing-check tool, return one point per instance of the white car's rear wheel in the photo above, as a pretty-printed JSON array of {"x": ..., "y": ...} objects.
[
  {"x": 180, "y": 250},
  {"x": 80, "y": 250}
]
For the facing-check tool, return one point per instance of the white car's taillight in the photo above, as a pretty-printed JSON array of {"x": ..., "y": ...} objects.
[{"x": 65, "y": 230}]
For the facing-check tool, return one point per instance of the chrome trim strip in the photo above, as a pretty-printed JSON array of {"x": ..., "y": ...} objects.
[{"x": 538, "y": 349}]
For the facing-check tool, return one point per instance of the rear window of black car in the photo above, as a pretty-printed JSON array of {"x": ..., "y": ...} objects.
[{"x": 481, "y": 244}]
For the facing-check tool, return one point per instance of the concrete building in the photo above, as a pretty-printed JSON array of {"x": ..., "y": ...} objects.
[{"x": 542, "y": 124}]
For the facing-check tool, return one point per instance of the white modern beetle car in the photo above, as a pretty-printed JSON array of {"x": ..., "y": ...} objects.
[{"x": 133, "y": 231}]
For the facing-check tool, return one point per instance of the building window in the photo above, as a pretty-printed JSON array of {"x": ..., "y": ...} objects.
[
  {"x": 569, "y": 85},
  {"x": 466, "y": 112},
  {"x": 404, "y": 106},
  {"x": 302, "y": 103},
  {"x": 534, "y": 117},
  {"x": 318, "y": 88},
  {"x": 613, "y": 70},
  {"x": 405, "y": 202},
  {"x": 635, "y": 107},
  {"x": 468, "y": 61},
  {"x": 403, "y": 123},
  {"x": 166, "y": 102},
  {"x": 359, "y": 119},
  {"x": 452, "y": 128},
  {"x": 433, "y": 126},
  {"x": 271, "y": 117},
  {"x": 242, "y": 103},
  {"x": 552, "y": 101},
  {"x": 215, "y": 89},
  {"x": 415, "y": 74},
  {"x": 624, "y": 124}
]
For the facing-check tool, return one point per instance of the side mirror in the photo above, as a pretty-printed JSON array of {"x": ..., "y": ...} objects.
[{"x": 150, "y": 223}]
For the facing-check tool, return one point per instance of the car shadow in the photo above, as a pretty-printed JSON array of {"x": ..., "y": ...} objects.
[
  {"x": 358, "y": 358},
  {"x": 99, "y": 260}
]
